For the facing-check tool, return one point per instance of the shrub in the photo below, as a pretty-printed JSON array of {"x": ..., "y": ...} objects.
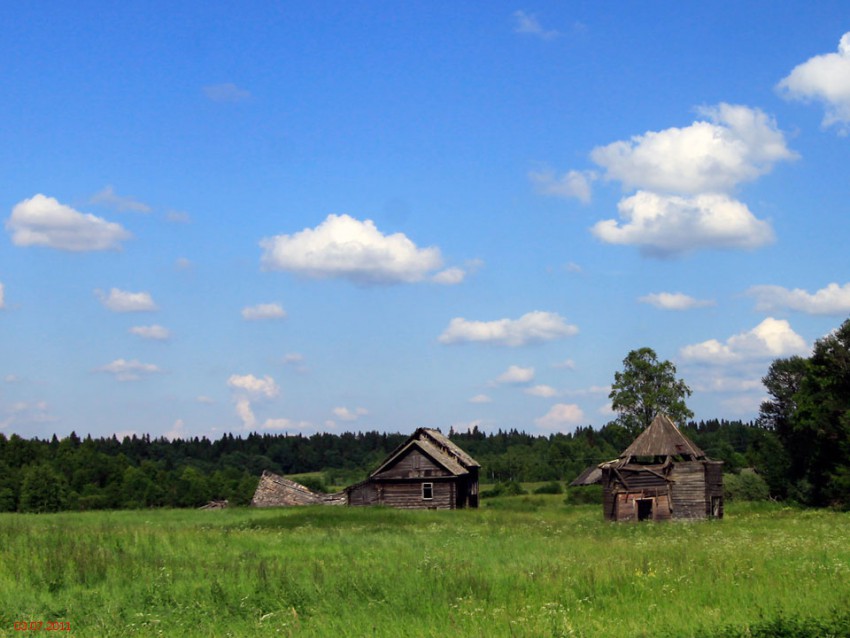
[
  {"x": 584, "y": 495},
  {"x": 506, "y": 488},
  {"x": 552, "y": 487},
  {"x": 746, "y": 486}
]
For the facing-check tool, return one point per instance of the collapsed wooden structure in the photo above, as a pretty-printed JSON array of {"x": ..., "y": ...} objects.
[
  {"x": 427, "y": 471},
  {"x": 662, "y": 475}
]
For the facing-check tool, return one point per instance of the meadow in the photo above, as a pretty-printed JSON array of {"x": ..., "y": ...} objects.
[{"x": 519, "y": 566}]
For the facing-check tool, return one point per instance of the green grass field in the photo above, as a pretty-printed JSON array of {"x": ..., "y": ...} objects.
[{"x": 521, "y": 566}]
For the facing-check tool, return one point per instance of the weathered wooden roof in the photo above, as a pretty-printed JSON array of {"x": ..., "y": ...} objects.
[
  {"x": 437, "y": 447},
  {"x": 590, "y": 476},
  {"x": 662, "y": 438},
  {"x": 431, "y": 451},
  {"x": 444, "y": 442}
]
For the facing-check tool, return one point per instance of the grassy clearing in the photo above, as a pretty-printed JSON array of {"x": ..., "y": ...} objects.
[{"x": 522, "y": 566}]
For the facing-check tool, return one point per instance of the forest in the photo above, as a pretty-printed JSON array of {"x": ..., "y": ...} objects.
[{"x": 797, "y": 450}]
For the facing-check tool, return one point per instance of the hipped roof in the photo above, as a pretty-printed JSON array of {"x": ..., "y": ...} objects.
[{"x": 662, "y": 438}]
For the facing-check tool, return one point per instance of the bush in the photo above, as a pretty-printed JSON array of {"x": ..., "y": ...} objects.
[
  {"x": 552, "y": 487},
  {"x": 506, "y": 488},
  {"x": 584, "y": 495},
  {"x": 746, "y": 486}
]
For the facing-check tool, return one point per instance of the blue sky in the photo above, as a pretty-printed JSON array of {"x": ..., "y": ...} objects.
[{"x": 326, "y": 216}]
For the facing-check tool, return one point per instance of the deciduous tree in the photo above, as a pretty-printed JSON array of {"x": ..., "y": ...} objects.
[{"x": 645, "y": 387}]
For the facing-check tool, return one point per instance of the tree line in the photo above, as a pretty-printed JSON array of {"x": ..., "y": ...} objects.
[
  {"x": 798, "y": 449},
  {"x": 140, "y": 472}
]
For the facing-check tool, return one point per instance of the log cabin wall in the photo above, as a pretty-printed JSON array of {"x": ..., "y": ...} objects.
[
  {"x": 689, "y": 489},
  {"x": 413, "y": 465}
]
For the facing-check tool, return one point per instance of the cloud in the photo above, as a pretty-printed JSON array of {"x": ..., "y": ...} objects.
[
  {"x": 154, "y": 332},
  {"x": 567, "y": 364},
  {"x": 264, "y": 311},
  {"x": 205, "y": 400},
  {"x": 2, "y": 296},
  {"x": 226, "y": 92},
  {"x": 449, "y": 276},
  {"x": 287, "y": 424},
  {"x": 561, "y": 415},
  {"x": 481, "y": 398},
  {"x": 544, "y": 391},
  {"x": 533, "y": 327},
  {"x": 832, "y": 300},
  {"x": 344, "y": 414},
  {"x": 254, "y": 386},
  {"x": 738, "y": 144},
  {"x": 109, "y": 198},
  {"x": 571, "y": 184},
  {"x": 248, "y": 388},
  {"x": 528, "y": 24},
  {"x": 516, "y": 375},
  {"x": 772, "y": 338},
  {"x": 667, "y": 225},
  {"x": 133, "y": 370},
  {"x": 177, "y": 431},
  {"x": 124, "y": 301},
  {"x": 346, "y": 248},
  {"x": 826, "y": 79},
  {"x": 674, "y": 301},
  {"x": 293, "y": 358},
  {"x": 24, "y": 413},
  {"x": 43, "y": 221},
  {"x": 178, "y": 217}
]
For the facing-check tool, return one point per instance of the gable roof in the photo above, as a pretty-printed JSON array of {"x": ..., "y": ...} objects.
[
  {"x": 662, "y": 438},
  {"x": 435, "y": 446}
]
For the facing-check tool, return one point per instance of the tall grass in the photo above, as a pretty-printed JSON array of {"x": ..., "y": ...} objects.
[{"x": 525, "y": 566}]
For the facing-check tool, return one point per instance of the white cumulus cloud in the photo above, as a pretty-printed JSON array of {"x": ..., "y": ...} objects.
[
  {"x": 826, "y": 79},
  {"x": 666, "y": 225},
  {"x": 771, "y": 339},
  {"x": 264, "y": 311},
  {"x": 832, "y": 300},
  {"x": 132, "y": 370},
  {"x": 344, "y": 247},
  {"x": 154, "y": 332},
  {"x": 737, "y": 144},
  {"x": 43, "y": 221},
  {"x": 449, "y": 276},
  {"x": 532, "y": 327},
  {"x": 516, "y": 375},
  {"x": 674, "y": 301},
  {"x": 246, "y": 389},
  {"x": 124, "y": 301},
  {"x": 254, "y": 386},
  {"x": 561, "y": 416},
  {"x": 481, "y": 398},
  {"x": 345, "y": 414}
]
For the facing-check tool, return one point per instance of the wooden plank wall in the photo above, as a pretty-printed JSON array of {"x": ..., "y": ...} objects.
[
  {"x": 688, "y": 490},
  {"x": 413, "y": 465},
  {"x": 404, "y": 495}
]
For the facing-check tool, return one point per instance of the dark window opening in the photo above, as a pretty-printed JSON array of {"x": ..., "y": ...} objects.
[{"x": 427, "y": 491}]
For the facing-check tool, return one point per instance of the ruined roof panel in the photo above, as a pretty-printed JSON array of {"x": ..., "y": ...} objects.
[{"x": 443, "y": 441}]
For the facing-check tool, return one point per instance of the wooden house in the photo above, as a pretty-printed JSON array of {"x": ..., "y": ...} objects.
[
  {"x": 427, "y": 471},
  {"x": 662, "y": 475}
]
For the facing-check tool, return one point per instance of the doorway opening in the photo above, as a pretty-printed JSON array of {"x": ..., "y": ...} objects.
[{"x": 645, "y": 508}]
